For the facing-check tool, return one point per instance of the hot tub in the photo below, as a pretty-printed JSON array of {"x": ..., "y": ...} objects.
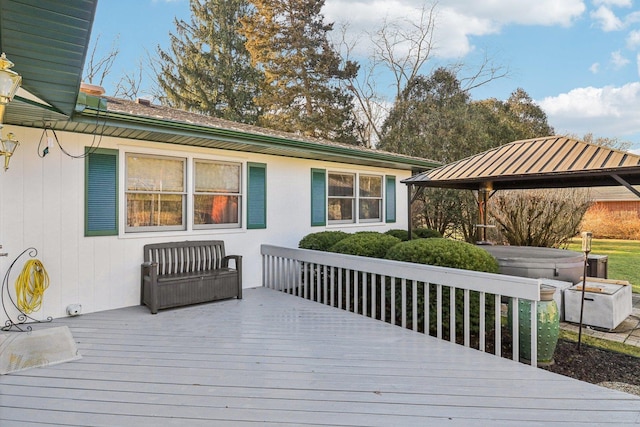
[{"x": 536, "y": 263}]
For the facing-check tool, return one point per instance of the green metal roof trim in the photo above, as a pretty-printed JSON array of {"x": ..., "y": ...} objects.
[
  {"x": 127, "y": 119},
  {"x": 47, "y": 40}
]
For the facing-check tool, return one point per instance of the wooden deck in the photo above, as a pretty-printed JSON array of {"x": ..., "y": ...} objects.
[{"x": 275, "y": 359}]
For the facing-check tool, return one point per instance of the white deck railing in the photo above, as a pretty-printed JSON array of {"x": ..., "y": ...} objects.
[{"x": 402, "y": 293}]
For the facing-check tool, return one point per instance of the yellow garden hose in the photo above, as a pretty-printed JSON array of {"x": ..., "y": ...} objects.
[{"x": 30, "y": 286}]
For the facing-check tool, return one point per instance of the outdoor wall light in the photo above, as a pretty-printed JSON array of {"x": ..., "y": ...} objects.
[
  {"x": 9, "y": 84},
  {"x": 7, "y": 148},
  {"x": 9, "y": 80}
]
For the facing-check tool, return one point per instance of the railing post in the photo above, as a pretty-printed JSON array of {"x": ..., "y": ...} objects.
[
  {"x": 452, "y": 314},
  {"x": 467, "y": 319},
  {"x": 403, "y": 321},
  {"x": 482, "y": 302},
  {"x": 414, "y": 305},
  {"x": 497, "y": 314},
  {"x": 427, "y": 303},
  {"x": 515, "y": 330},
  {"x": 374, "y": 285},
  {"x": 439, "y": 311},
  {"x": 393, "y": 301},
  {"x": 534, "y": 333}
]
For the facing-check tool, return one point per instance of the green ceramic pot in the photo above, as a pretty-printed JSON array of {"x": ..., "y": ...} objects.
[{"x": 548, "y": 327}]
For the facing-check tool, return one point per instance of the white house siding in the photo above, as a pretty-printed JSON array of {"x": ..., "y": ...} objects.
[{"x": 42, "y": 206}]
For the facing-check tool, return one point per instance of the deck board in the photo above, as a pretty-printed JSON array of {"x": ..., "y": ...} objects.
[{"x": 275, "y": 359}]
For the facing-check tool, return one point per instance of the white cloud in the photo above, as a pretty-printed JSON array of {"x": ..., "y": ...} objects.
[
  {"x": 606, "y": 19},
  {"x": 619, "y": 3},
  {"x": 456, "y": 20},
  {"x": 638, "y": 63},
  {"x": 595, "y": 67},
  {"x": 632, "y": 18},
  {"x": 610, "y": 111},
  {"x": 618, "y": 60},
  {"x": 633, "y": 39}
]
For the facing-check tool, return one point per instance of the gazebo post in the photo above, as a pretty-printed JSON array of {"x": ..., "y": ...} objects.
[
  {"x": 483, "y": 199},
  {"x": 409, "y": 203}
]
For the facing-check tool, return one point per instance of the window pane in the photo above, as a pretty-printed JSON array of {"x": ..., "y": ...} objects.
[
  {"x": 341, "y": 185},
  {"x": 150, "y": 210},
  {"x": 370, "y": 186},
  {"x": 340, "y": 209},
  {"x": 217, "y": 177},
  {"x": 370, "y": 209},
  {"x": 210, "y": 209},
  {"x": 155, "y": 174}
]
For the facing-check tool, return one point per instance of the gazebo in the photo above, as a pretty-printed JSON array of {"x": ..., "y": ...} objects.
[{"x": 547, "y": 162}]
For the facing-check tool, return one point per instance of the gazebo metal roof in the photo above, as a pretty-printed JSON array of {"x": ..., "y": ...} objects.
[{"x": 548, "y": 162}]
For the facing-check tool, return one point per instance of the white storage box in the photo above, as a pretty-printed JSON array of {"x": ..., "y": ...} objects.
[
  {"x": 606, "y": 303},
  {"x": 558, "y": 296}
]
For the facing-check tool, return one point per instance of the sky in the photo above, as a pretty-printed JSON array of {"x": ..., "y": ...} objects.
[{"x": 578, "y": 60}]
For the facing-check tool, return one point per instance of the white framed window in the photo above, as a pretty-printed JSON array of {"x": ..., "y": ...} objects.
[
  {"x": 354, "y": 198},
  {"x": 155, "y": 193},
  {"x": 370, "y": 198},
  {"x": 341, "y": 197},
  {"x": 217, "y": 198}
]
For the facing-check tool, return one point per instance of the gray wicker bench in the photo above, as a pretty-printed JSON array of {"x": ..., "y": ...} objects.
[{"x": 176, "y": 274}]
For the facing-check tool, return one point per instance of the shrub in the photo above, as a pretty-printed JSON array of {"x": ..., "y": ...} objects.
[
  {"x": 445, "y": 253},
  {"x": 369, "y": 244},
  {"x": 403, "y": 235},
  {"x": 607, "y": 224},
  {"x": 417, "y": 233},
  {"x": 322, "y": 241},
  {"x": 455, "y": 254},
  {"x": 544, "y": 218},
  {"x": 425, "y": 233}
]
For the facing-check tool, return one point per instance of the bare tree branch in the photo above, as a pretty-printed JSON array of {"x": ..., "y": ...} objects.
[
  {"x": 100, "y": 67},
  {"x": 403, "y": 46},
  {"x": 131, "y": 86}
]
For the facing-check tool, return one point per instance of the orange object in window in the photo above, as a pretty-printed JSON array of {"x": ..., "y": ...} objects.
[{"x": 224, "y": 209}]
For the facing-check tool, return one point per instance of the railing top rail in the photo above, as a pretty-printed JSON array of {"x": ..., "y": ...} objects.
[{"x": 510, "y": 286}]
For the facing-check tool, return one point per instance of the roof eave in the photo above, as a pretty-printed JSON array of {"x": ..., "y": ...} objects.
[
  {"x": 95, "y": 113},
  {"x": 585, "y": 179}
]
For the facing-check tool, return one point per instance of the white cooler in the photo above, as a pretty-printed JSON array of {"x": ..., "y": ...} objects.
[{"x": 606, "y": 303}]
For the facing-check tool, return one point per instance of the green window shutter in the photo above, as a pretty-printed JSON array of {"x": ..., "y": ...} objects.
[
  {"x": 390, "y": 200},
  {"x": 101, "y": 192},
  {"x": 318, "y": 197},
  {"x": 256, "y": 195}
]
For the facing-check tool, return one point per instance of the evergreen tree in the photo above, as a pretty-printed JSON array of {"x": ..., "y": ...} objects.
[
  {"x": 208, "y": 68},
  {"x": 430, "y": 119},
  {"x": 287, "y": 40},
  {"x": 516, "y": 118}
]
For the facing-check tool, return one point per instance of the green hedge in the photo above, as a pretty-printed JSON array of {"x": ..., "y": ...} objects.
[
  {"x": 399, "y": 234},
  {"x": 445, "y": 253},
  {"x": 425, "y": 233},
  {"x": 322, "y": 240},
  {"x": 369, "y": 244},
  {"x": 454, "y": 254},
  {"x": 418, "y": 233}
]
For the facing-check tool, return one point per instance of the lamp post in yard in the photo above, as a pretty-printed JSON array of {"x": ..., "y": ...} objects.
[{"x": 587, "y": 236}]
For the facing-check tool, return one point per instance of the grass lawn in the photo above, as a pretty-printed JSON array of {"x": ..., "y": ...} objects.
[{"x": 624, "y": 258}]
